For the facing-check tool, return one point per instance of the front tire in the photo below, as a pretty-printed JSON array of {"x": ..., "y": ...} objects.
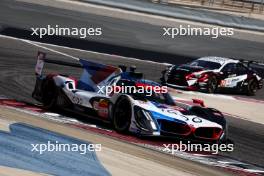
[{"x": 122, "y": 115}]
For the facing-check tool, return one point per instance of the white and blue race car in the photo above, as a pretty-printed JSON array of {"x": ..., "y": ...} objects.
[{"x": 128, "y": 102}]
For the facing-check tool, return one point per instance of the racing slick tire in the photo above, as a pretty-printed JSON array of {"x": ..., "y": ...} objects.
[
  {"x": 122, "y": 115},
  {"x": 252, "y": 87},
  {"x": 212, "y": 85},
  {"x": 50, "y": 94}
]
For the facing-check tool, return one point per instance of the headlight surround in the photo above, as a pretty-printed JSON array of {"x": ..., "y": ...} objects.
[{"x": 144, "y": 119}]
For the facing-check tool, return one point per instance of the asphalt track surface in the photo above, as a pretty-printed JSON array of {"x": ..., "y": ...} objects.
[
  {"x": 17, "y": 61},
  {"x": 144, "y": 37},
  {"x": 123, "y": 37}
]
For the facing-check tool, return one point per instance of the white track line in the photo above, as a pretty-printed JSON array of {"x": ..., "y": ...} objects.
[
  {"x": 52, "y": 50},
  {"x": 39, "y": 44}
]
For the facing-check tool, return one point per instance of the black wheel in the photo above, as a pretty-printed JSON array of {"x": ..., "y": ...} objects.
[
  {"x": 122, "y": 115},
  {"x": 212, "y": 85},
  {"x": 162, "y": 79},
  {"x": 50, "y": 94},
  {"x": 252, "y": 87}
]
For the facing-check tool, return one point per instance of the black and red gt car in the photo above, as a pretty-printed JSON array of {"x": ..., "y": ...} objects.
[{"x": 211, "y": 74}]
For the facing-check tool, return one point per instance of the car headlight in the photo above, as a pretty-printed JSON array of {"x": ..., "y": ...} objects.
[{"x": 144, "y": 119}]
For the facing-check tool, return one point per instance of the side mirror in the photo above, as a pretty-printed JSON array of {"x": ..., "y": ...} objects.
[
  {"x": 198, "y": 101},
  {"x": 132, "y": 68},
  {"x": 122, "y": 67}
]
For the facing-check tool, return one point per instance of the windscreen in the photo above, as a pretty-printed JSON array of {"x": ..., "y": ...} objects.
[
  {"x": 206, "y": 64},
  {"x": 145, "y": 92}
]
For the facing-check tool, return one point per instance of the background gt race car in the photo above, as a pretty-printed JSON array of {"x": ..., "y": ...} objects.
[
  {"x": 210, "y": 74},
  {"x": 142, "y": 114}
]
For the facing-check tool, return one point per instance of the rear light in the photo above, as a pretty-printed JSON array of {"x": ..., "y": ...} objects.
[
  {"x": 203, "y": 77},
  {"x": 196, "y": 75},
  {"x": 190, "y": 76}
]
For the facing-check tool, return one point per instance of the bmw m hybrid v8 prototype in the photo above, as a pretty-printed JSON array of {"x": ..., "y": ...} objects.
[
  {"x": 211, "y": 74},
  {"x": 156, "y": 114}
]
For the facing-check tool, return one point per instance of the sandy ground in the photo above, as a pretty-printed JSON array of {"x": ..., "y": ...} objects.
[
  {"x": 118, "y": 158},
  {"x": 8, "y": 171}
]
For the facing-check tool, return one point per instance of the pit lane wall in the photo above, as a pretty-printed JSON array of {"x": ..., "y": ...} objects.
[{"x": 196, "y": 15}]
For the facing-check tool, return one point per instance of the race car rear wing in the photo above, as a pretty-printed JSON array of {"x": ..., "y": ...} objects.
[
  {"x": 40, "y": 63},
  {"x": 255, "y": 65},
  {"x": 250, "y": 62},
  {"x": 41, "y": 59},
  {"x": 94, "y": 74}
]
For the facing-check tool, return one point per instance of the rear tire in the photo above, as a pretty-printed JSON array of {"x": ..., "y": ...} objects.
[
  {"x": 252, "y": 87},
  {"x": 122, "y": 115},
  {"x": 50, "y": 94}
]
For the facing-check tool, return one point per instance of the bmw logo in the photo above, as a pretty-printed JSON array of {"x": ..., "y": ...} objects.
[{"x": 197, "y": 120}]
